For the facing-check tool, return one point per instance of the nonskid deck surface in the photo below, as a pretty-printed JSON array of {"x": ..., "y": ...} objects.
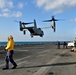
[{"x": 44, "y": 59}]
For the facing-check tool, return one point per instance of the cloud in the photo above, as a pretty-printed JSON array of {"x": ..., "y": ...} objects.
[
  {"x": 4, "y": 15},
  {"x": 73, "y": 20},
  {"x": 57, "y": 6},
  {"x": 16, "y": 14},
  {"x": 10, "y": 4},
  {"x": 20, "y": 5},
  {"x": 2, "y": 3},
  {"x": 6, "y": 3},
  {"x": 13, "y": 14},
  {"x": 7, "y": 8}
]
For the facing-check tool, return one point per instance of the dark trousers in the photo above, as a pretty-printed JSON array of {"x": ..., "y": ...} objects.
[{"x": 9, "y": 57}]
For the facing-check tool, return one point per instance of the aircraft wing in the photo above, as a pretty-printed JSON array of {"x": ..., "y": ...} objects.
[
  {"x": 26, "y": 28},
  {"x": 46, "y": 27}
]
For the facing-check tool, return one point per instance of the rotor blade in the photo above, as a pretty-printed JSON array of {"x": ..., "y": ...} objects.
[
  {"x": 47, "y": 20},
  {"x": 56, "y": 20},
  {"x": 52, "y": 20},
  {"x": 23, "y": 22},
  {"x": 60, "y": 20},
  {"x": 27, "y": 23}
]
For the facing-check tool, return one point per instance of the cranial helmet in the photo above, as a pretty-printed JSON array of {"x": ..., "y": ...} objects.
[{"x": 10, "y": 37}]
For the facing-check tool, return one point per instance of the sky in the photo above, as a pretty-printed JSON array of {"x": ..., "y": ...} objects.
[{"x": 28, "y": 10}]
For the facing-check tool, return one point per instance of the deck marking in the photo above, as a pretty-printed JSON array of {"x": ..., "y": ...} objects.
[
  {"x": 17, "y": 60},
  {"x": 41, "y": 55},
  {"x": 45, "y": 69},
  {"x": 21, "y": 62},
  {"x": 22, "y": 50},
  {"x": 43, "y": 51}
]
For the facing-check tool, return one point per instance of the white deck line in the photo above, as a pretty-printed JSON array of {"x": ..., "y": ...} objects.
[
  {"x": 45, "y": 69},
  {"x": 17, "y": 60}
]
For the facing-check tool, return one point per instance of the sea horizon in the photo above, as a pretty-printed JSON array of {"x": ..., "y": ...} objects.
[
  {"x": 29, "y": 42},
  {"x": 24, "y": 42}
]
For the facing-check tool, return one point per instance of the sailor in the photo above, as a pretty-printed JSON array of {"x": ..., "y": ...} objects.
[
  {"x": 9, "y": 55},
  {"x": 58, "y": 45},
  {"x": 65, "y": 44}
]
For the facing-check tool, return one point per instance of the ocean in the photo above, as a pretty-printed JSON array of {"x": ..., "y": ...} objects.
[{"x": 27, "y": 43}]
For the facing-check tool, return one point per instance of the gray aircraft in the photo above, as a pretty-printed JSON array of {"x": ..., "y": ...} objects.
[{"x": 34, "y": 31}]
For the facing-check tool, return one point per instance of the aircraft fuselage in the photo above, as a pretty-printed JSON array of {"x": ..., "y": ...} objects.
[{"x": 36, "y": 32}]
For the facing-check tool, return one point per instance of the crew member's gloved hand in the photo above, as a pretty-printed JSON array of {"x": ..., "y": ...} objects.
[{"x": 5, "y": 49}]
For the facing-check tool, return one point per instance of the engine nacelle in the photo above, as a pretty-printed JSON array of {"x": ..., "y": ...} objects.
[
  {"x": 53, "y": 28},
  {"x": 21, "y": 28}
]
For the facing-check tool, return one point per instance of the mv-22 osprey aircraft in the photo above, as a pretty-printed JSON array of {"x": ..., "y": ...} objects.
[{"x": 34, "y": 31}]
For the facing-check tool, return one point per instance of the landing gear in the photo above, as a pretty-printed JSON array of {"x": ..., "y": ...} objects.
[
  {"x": 24, "y": 32},
  {"x": 31, "y": 36},
  {"x": 41, "y": 35}
]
